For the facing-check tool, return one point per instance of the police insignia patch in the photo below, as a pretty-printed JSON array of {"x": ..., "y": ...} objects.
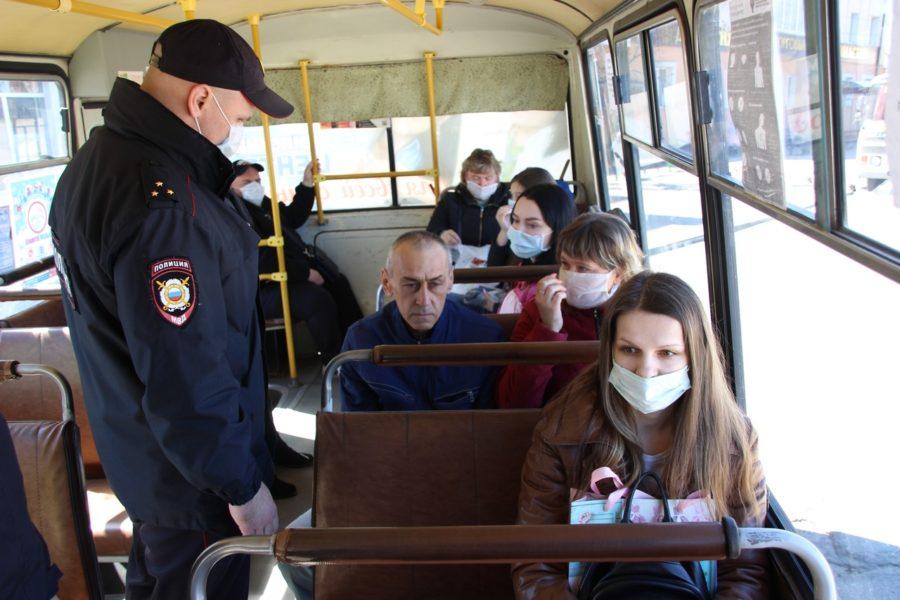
[{"x": 173, "y": 289}]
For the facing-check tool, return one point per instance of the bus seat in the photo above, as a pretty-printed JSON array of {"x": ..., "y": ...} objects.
[
  {"x": 36, "y": 398},
  {"x": 49, "y": 456},
  {"x": 48, "y": 313},
  {"x": 506, "y": 321},
  {"x": 418, "y": 469}
]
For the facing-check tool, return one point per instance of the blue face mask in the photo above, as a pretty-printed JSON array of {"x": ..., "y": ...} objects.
[{"x": 525, "y": 245}]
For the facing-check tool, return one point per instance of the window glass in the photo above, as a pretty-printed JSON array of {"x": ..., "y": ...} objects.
[
  {"x": 817, "y": 377},
  {"x": 605, "y": 115},
  {"x": 674, "y": 222},
  {"x": 868, "y": 91},
  {"x": 763, "y": 85},
  {"x": 670, "y": 74},
  {"x": 345, "y": 147},
  {"x": 534, "y": 138},
  {"x": 635, "y": 100},
  {"x": 25, "y": 199},
  {"x": 31, "y": 121}
]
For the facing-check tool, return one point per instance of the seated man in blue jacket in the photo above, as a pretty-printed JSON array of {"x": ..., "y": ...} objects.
[{"x": 418, "y": 275}]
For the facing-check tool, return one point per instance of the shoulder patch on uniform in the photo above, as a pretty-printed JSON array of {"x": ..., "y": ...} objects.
[
  {"x": 173, "y": 289},
  {"x": 161, "y": 188}
]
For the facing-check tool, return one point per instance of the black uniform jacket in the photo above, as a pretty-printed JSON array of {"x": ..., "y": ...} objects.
[
  {"x": 458, "y": 210},
  {"x": 159, "y": 274}
]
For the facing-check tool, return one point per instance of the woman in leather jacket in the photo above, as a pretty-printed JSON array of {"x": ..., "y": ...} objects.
[{"x": 657, "y": 399}]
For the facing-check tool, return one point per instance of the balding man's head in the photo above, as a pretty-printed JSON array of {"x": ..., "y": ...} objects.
[{"x": 418, "y": 275}]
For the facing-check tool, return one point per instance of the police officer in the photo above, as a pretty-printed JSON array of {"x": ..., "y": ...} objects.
[{"x": 159, "y": 276}]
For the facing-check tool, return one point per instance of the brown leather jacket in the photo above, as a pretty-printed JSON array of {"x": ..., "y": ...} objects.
[{"x": 548, "y": 476}]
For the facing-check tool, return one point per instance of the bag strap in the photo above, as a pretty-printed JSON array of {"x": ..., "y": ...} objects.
[{"x": 667, "y": 512}]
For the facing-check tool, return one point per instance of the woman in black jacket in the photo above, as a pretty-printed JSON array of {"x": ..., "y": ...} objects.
[{"x": 467, "y": 214}]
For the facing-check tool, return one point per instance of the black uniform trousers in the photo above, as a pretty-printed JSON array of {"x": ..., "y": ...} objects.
[
  {"x": 159, "y": 567},
  {"x": 328, "y": 310}
]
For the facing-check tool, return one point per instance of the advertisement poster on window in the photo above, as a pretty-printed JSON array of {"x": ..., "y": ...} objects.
[
  {"x": 751, "y": 98},
  {"x": 30, "y": 221},
  {"x": 7, "y": 260}
]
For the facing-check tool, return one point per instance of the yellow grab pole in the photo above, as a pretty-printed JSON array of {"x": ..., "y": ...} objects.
[
  {"x": 411, "y": 15},
  {"x": 420, "y": 8},
  {"x": 189, "y": 7},
  {"x": 104, "y": 12},
  {"x": 304, "y": 80},
  {"x": 439, "y": 14},
  {"x": 281, "y": 276},
  {"x": 375, "y": 175},
  {"x": 429, "y": 76}
]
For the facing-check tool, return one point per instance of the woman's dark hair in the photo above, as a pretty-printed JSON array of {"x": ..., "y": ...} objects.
[
  {"x": 531, "y": 177},
  {"x": 557, "y": 209}
]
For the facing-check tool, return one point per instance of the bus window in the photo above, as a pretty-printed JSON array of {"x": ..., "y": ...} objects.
[
  {"x": 633, "y": 85},
  {"x": 675, "y": 239},
  {"x": 670, "y": 77},
  {"x": 606, "y": 125},
  {"x": 871, "y": 157},
  {"x": 518, "y": 139},
  {"x": 765, "y": 114},
  {"x": 815, "y": 387},
  {"x": 342, "y": 147},
  {"x": 31, "y": 121}
]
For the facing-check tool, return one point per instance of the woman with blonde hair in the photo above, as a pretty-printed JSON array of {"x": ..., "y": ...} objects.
[
  {"x": 596, "y": 253},
  {"x": 656, "y": 400}
]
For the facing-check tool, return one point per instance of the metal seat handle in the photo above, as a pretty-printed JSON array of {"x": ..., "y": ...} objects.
[{"x": 13, "y": 369}]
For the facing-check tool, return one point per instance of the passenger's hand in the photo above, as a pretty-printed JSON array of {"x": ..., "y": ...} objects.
[
  {"x": 315, "y": 277},
  {"x": 450, "y": 237},
  {"x": 308, "y": 180},
  {"x": 550, "y": 294},
  {"x": 503, "y": 216},
  {"x": 258, "y": 516}
]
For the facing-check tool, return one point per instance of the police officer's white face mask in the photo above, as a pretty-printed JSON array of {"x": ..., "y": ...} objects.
[
  {"x": 229, "y": 145},
  {"x": 253, "y": 193}
]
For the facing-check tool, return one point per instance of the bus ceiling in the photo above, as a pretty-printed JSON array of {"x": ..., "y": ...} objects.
[{"x": 65, "y": 24}]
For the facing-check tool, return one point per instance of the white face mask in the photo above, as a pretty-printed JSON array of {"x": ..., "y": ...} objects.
[
  {"x": 649, "y": 394},
  {"x": 253, "y": 193},
  {"x": 586, "y": 290},
  {"x": 235, "y": 132},
  {"x": 482, "y": 193}
]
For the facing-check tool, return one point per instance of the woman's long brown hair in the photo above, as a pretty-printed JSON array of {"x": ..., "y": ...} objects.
[{"x": 712, "y": 449}]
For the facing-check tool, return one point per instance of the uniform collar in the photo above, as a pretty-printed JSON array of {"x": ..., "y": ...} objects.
[{"x": 134, "y": 113}]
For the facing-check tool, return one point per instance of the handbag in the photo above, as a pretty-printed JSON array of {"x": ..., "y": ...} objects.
[{"x": 671, "y": 580}]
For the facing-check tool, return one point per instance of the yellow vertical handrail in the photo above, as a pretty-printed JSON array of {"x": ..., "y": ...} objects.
[
  {"x": 307, "y": 107},
  {"x": 190, "y": 9},
  {"x": 429, "y": 76},
  {"x": 439, "y": 14},
  {"x": 281, "y": 276}
]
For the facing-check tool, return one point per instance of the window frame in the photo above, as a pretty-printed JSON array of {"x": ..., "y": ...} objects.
[
  {"x": 826, "y": 228},
  {"x": 23, "y": 71},
  {"x": 643, "y": 30}
]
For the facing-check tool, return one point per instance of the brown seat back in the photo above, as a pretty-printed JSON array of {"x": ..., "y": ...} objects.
[
  {"x": 506, "y": 321},
  {"x": 418, "y": 469},
  {"x": 49, "y": 457},
  {"x": 37, "y": 398},
  {"x": 46, "y": 313}
]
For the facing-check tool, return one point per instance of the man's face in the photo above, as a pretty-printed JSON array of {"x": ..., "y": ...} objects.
[
  {"x": 419, "y": 280},
  {"x": 214, "y": 123},
  {"x": 243, "y": 179}
]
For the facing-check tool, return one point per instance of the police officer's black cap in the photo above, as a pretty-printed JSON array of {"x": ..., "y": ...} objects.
[
  {"x": 206, "y": 51},
  {"x": 241, "y": 166}
]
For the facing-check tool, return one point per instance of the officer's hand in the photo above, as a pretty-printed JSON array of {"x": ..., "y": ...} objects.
[
  {"x": 450, "y": 237},
  {"x": 258, "y": 516},
  {"x": 548, "y": 297},
  {"x": 315, "y": 277},
  {"x": 308, "y": 180}
]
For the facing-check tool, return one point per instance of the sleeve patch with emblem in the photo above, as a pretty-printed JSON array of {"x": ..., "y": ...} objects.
[{"x": 173, "y": 289}]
